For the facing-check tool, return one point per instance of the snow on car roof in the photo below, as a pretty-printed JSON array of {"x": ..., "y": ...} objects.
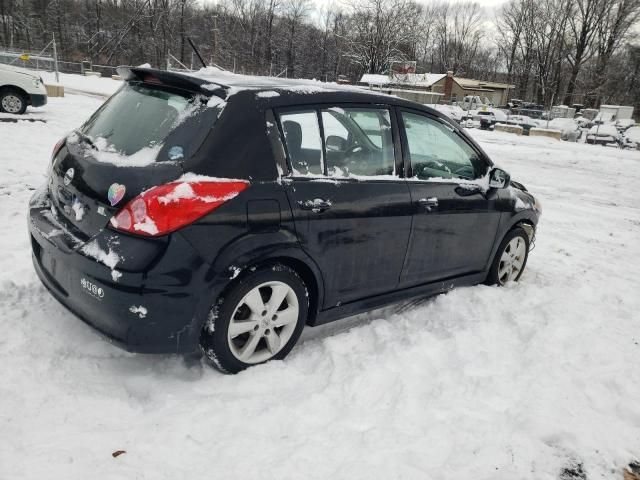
[
  {"x": 239, "y": 81},
  {"x": 633, "y": 134},
  {"x": 225, "y": 84}
]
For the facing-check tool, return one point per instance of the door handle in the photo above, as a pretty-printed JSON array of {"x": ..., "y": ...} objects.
[
  {"x": 317, "y": 205},
  {"x": 428, "y": 203}
]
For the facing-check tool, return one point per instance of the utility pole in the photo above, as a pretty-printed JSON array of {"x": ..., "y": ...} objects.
[
  {"x": 55, "y": 58},
  {"x": 550, "y": 107},
  {"x": 215, "y": 38}
]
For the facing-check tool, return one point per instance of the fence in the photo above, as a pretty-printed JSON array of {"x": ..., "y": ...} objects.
[{"x": 42, "y": 62}]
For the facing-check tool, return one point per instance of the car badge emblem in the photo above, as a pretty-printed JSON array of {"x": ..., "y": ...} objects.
[
  {"x": 115, "y": 193},
  {"x": 68, "y": 176}
]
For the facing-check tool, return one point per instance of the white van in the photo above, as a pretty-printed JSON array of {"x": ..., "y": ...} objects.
[{"x": 20, "y": 88}]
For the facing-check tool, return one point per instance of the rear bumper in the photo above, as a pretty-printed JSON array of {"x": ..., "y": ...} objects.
[
  {"x": 158, "y": 310},
  {"x": 36, "y": 100}
]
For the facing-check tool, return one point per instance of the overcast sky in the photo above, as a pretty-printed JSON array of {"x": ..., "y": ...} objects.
[{"x": 488, "y": 5}]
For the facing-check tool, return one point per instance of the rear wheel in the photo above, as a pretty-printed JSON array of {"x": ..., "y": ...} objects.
[
  {"x": 259, "y": 319},
  {"x": 510, "y": 259},
  {"x": 12, "y": 101}
]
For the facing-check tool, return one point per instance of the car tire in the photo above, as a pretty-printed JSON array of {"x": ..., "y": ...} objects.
[
  {"x": 12, "y": 101},
  {"x": 248, "y": 326},
  {"x": 511, "y": 258}
]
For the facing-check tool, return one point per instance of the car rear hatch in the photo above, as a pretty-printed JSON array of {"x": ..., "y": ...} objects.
[{"x": 138, "y": 139}]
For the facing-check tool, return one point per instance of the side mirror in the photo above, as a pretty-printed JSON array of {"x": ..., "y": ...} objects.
[{"x": 498, "y": 178}]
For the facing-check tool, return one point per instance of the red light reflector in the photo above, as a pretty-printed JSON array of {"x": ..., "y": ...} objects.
[{"x": 58, "y": 147}]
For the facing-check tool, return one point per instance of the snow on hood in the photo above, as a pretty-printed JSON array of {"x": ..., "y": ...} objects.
[
  {"x": 604, "y": 130},
  {"x": 633, "y": 134}
]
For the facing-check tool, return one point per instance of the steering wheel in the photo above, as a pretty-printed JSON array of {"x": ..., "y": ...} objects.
[
  {"x": 354, "y": 150},
  {"x": 435, "y": 165},
  {"x": 465, "y": 171},
  {"x": 348, "y": 155}
]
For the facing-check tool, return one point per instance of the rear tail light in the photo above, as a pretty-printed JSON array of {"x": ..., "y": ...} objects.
[{"x": 166, "y": 208}]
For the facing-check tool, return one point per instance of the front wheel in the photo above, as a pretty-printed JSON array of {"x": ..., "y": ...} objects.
[
  {"x": 257, "y": 320},
  {"x": 510, "y": 259},
  {"x": 12, "y": 101}
]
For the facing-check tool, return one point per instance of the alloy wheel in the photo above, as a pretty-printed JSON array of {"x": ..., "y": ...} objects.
[
  {"x": 512, "y": 260},
  {"x": 263, "y": 322}
]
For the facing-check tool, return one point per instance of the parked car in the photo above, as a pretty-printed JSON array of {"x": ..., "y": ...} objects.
[
  {"x": 470, "y": 122},
  {"x": 631, "y": 138},
  {"x": 624, "y": 123},
  {"x": 527, "y": 123},
  {"x": 529, "y": 110},
  {"x": 603, "y": 134},
  {"x": 489, "y": 118},
  {"x": 302, "y": 203},
  {"x": 568, "y": 127},
  {"x": 20, "y": 88},
  {"x": 583, "y": 122}
]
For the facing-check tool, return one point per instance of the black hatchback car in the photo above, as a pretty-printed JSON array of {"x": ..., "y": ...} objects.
[{"x": 225, "y": 212}]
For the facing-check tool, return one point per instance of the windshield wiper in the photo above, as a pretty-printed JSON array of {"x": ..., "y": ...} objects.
[{"x": 86, "y": 139}]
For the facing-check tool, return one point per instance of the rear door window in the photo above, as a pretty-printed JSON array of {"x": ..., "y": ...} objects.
[
  {"x": 304, "y": 145},
  {"x": 358, "y": 142},
  {"x": 349, "y": 142}
]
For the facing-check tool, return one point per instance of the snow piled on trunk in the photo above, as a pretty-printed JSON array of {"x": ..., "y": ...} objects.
[{"x": 483, "y": 382}]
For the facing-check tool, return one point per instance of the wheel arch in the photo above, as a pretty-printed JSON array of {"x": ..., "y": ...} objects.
[
  {"x": 292, "y": 257},
  {"x": 12, "y": 88},
  {"x": 527, "y": 220}
]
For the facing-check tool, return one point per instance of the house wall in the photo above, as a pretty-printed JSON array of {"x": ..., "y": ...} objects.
[
  {"x": 419, "y": 96},
  {"x": 498, "y": 96}
]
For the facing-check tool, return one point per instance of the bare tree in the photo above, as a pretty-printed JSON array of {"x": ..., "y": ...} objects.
[
  {"x": 583, "y": 21},
  {"x": 294, "y": 13},
  {"x": 378, "y": 29},
  {"x": 611, "y": 32},
  {"x": 458, "y": 31}
]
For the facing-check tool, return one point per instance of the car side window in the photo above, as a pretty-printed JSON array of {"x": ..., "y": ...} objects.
[
  {"x": 436, "y": 151},
  {"x": 302, "y": 138},
  {"x": 358, "y": 142}
]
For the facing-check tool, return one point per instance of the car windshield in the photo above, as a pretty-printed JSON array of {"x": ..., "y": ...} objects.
[{"x": 138, "y": 118}]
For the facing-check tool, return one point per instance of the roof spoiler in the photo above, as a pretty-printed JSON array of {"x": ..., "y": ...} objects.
[{"x": 173, "y": 79}]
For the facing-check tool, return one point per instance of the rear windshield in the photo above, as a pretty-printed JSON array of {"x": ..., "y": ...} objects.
[{"x": 147, "y": 123}]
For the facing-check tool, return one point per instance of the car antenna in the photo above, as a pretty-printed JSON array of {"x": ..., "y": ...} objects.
[{"x": 196, "y": 51}]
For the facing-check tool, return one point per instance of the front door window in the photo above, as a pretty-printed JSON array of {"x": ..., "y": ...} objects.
[{"x": 436, "y": 151}]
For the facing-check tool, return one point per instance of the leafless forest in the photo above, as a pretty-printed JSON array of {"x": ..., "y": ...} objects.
[{"x": 556, "y": 51}]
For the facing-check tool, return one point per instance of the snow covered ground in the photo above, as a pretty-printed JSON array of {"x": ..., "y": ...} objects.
[
  {"x": 78, "y": 83},
  {"x": 481, "y": 383}
]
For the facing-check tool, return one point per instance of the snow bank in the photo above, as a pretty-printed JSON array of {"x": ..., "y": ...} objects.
[{"x": 99, "y": 86}]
